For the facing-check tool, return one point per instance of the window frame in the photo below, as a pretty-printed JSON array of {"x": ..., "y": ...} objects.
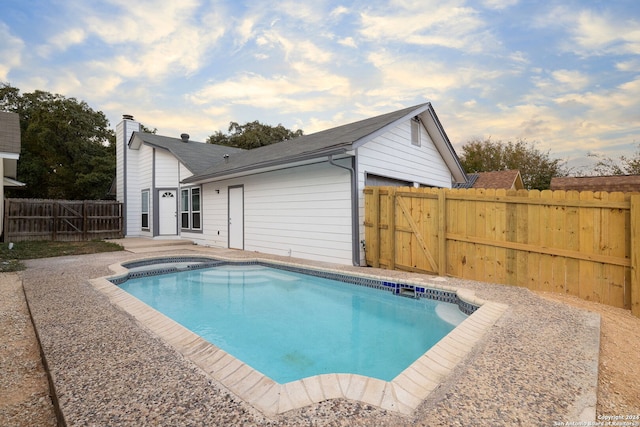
[
  {"x": 188, "y": 211},
  {"x": 145, "y": 206}
]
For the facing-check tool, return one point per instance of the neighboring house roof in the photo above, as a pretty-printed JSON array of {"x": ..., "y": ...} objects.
[
  {"x": 334, "y": 141},
  {"x": 9, "y": 145},
  {"x": 195, "y": 156},
  {"x": 508, "y": 179},
  {"x": 9, "y": 134},
  {"x": 624, "y": 183}
]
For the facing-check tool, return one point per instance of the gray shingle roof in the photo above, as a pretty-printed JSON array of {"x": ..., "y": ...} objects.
[
  {"x": 195, "y": 156},
  {"x": 9, "y": 132},
  {"x": 331, "y": 141}
]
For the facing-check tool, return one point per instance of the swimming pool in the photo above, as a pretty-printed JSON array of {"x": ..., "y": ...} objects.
[
  {"x": 289, "y": 325},
  {"x": 402, "y": 394}
]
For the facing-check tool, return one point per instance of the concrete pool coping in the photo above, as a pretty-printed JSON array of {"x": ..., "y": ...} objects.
[{"x": 402, "y": 395}]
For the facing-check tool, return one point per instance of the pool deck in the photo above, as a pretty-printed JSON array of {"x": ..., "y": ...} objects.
[{"x": 115, "y": 361}]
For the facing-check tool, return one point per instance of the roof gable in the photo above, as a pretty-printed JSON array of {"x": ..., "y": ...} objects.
[
  {"x": 334, "y": 141},
  {"x": 195, "y": 156}
]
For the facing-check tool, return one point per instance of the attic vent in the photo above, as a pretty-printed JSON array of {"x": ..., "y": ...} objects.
[
  {"x": 127, "y": 117},
  {"x": 415, "y": 131},
  {"x": 226, "y": 158},
  {"x": 184, "y": 137}
]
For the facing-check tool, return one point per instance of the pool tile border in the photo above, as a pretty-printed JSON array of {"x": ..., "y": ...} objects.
[
  {"x": 403, "y": 394},
  {"x": 397, "y": 288}
]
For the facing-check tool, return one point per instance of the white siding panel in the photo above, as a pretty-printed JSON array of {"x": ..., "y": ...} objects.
[
  {"x": 184, "y": 172},
  {"x": 214, "y": 217},
  {"x": 392, "y": 155},
  {"x": 303, "y": 212},
  {"x": 166, "y": 169}
]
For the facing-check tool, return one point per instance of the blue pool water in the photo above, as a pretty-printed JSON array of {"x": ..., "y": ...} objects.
[{"x": 290, "y": 326}]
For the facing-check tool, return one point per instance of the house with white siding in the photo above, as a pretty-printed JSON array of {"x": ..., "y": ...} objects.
[{"x": 302, "y": 197}]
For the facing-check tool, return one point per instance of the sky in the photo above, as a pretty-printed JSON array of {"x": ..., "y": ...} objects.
[{"x": 561, "y": 74}]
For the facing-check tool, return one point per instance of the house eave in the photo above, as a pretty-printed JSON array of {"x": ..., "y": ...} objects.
[{"x": 443, "y": 145}]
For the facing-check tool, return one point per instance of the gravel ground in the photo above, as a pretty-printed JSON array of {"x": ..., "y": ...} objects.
[{"x": 537, "y": 366}]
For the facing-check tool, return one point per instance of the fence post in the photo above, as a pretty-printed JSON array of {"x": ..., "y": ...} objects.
[
  {"x": 392, "y": 228},
  {"x": 635, "y": 255},
  {"x": 84, "y": 220},
  {"x": 442, "y": 232},
  {"x": 54, "y": 229},
  {"x": 374, "y": 245}
]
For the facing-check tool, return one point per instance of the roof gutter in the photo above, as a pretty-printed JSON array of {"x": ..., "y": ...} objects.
[{"x": 355, "y": 236}]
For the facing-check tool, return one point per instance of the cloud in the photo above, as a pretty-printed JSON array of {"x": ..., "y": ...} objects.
[
  {"x": 405, "y": 77},
  {"x": 293, "y": 49},
  {"x": 606, "y": 34},
  {"x": 61, "y": 42},
  {"x": 301, "y": 90},
  {"x": 562, "y": 81},
  {"x": 154, "y": 39},
  {"x": 499, "y": 4},
  {"x": 447, "y": 26},
  {"x": 348, "y": 41},
  {"x": 593, "y": 32},
  {"x": 10, "y": 51}
]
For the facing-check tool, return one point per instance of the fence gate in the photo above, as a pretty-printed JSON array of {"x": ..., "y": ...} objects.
[{"x": 62, "y": 220}]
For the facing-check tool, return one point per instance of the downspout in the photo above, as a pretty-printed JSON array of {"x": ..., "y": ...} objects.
[{"x": 355, "y": 236}]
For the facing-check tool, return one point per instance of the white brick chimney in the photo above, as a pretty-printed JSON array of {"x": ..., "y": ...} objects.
[{"x": 127, "y": 184}]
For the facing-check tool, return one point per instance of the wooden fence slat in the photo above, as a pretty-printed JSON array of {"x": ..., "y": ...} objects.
[{"x": 442, "y": 232}]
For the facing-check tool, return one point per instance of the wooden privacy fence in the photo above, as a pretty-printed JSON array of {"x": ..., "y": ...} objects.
[
  {"x": 61, "y": 220},
  {"x": 585, "y": 244}
]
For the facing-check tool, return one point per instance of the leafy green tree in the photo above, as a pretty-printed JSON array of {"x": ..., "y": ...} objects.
[
  {"x": 623, "y": 166},
  {"x": 68, "y": 151},
  {"x": 252, "y": 135},
  {"x": 536, "y": 167}
]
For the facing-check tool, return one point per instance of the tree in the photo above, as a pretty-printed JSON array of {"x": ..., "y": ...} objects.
[
  {"x": 536, "y": 167},
  {"x": 623, "y": 166},
  {"x": 252, "y": 135},
  {"x": 68, "y": 151}
]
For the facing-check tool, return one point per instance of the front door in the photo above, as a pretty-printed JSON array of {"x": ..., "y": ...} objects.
[
  {"x": 168, "y": 213},
  {"x": 236, "y": 217}
]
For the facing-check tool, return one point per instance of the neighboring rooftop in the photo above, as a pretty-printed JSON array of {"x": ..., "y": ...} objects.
[
  {"x": 9, "y": 132},
  {"x": 507, "y": 179},
  {"x": 624, "y": 183}
]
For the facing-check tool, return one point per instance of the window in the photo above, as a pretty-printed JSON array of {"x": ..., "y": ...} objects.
[
  {"x": 145, "y": 209},
  {"x": 184, "y": 208},
  {"x": 195, "y": 208},
  {"x": 415, "y": 131},
  {"x": 190, "y": 210}
]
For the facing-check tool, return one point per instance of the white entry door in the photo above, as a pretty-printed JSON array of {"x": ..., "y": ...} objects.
[
  {"x": 236, "y": 217},
  {"x": 168, "y": 213}
]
